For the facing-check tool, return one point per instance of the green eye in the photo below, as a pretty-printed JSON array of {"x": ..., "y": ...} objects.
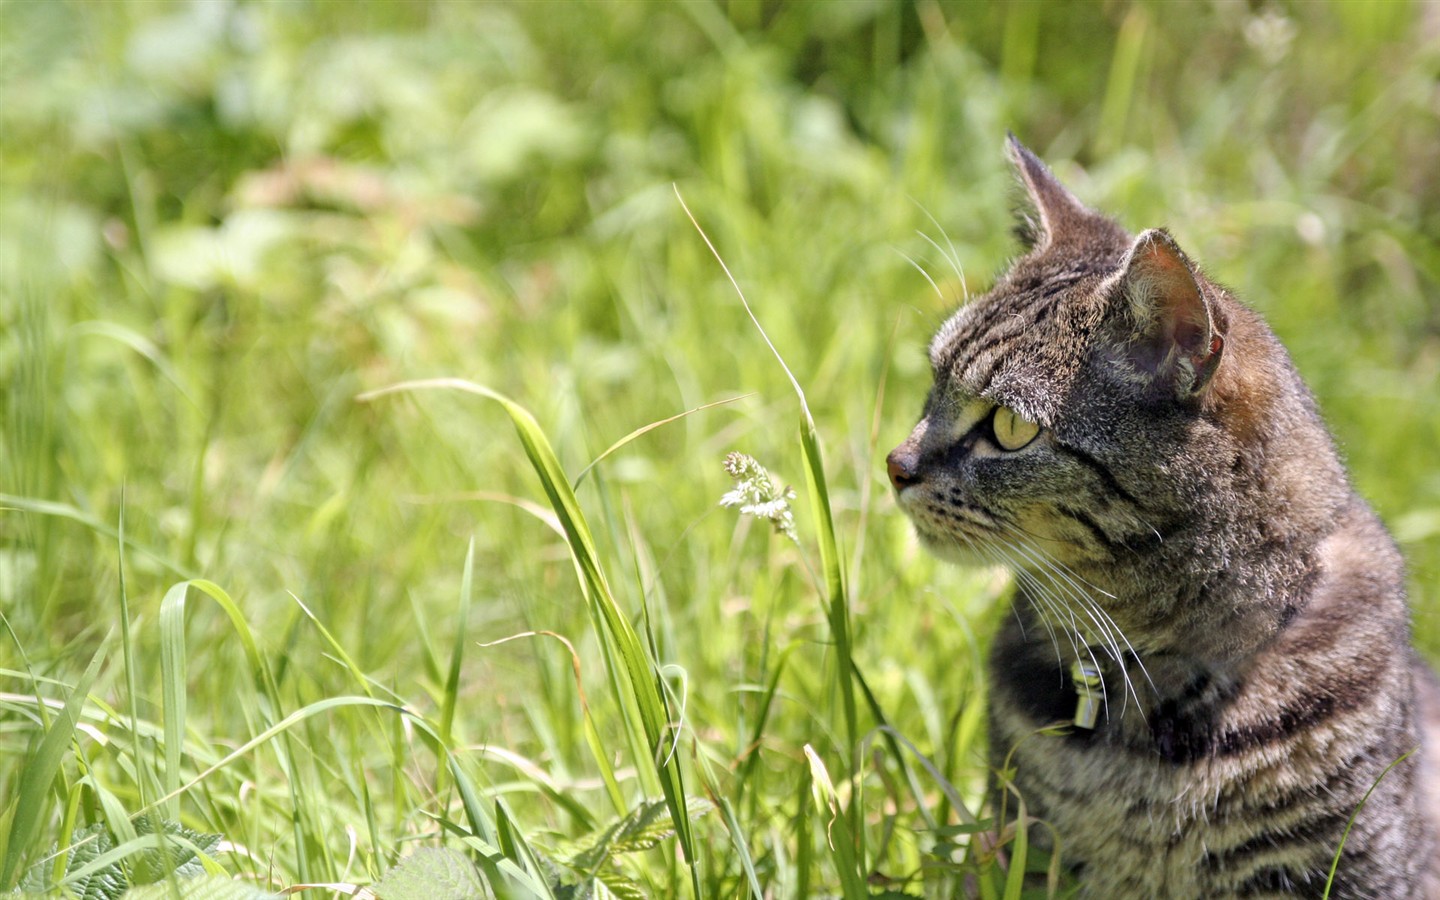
[{"x": 1011, "y": 431}]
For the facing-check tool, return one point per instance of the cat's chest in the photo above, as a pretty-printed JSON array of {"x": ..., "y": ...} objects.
[
  {"x": 1141, "y": 820},
  {"x": 1146, "y": 802},
  {"x": 1140, "y": 825}
]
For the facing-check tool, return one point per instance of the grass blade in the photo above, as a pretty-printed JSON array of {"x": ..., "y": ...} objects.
[
  {"x": 457, "y": 652},
  {"x": 641, "y": 673},
  {"x": 66, "y": 511},
  {"x": 284, "y": 725},
  {"x": 837, "y": 603},
  {"x": 172, "y": 684},
  {"x": 838, "y": 608},
  {"x": 592, "y": 734},
  {"x": 514, "y": 845},
  {"x": 127, "y": 643},
  {"x": 1015, "y": 877},
  {"x": 153, "y": 841},
  {"x": 646, "y": 429},
  {"x": 838, "y": 835},
  {"x": 40, "y": 771},
  {"x": 732, "y": 824},
  {"x": 495, "y": 861},
  {"x": 1335, "y": 863},
  {"x": 340, "y": 652},
  {"x": 259, "y": 670}
]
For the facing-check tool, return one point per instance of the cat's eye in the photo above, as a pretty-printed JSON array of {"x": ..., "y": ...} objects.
[{"x": 1011, "y": 431}]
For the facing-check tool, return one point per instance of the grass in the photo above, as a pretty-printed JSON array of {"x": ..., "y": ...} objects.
[{"x": 241, "y": 598}]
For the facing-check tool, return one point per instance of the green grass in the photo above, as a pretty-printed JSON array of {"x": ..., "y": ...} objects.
[{"x": 410, "y": 619}]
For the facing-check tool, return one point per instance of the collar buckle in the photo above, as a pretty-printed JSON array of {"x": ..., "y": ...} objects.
[{"x": 1088, "y": 687}]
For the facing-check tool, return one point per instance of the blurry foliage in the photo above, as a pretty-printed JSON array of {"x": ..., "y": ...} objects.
[
  {"x": 220, "y": 221},
  {"x": 289, "y": 200}
]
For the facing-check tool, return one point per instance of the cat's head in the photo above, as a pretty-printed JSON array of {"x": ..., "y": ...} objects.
[{"x": 1099, "y": 415}]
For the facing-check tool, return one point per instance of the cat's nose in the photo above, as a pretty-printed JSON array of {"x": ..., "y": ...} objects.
[{"x": 903, "y": 465}]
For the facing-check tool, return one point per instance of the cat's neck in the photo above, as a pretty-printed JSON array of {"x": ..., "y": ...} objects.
[{"x": 1217, "y": 634}]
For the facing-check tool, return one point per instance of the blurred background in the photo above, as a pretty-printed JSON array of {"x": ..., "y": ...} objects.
[{"x": 220, "y": 222}]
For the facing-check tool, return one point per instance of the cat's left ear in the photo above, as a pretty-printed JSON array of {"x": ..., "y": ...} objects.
[
  {"x": 1061, "y": 215},
  {"x": 1172, "y": 336}
]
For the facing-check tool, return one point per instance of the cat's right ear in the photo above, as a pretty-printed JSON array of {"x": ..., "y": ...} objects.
[
  {"x": 1169, "y": 333},
  {"x": 1058, "y": 210}
]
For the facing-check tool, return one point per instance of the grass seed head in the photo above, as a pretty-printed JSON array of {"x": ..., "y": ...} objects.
[{"x": 758, "y": 494}]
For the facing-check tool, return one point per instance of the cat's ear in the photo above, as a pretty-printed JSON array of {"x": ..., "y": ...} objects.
[
  {"x": 1170, "y": 338},
  {"x": 1059, "y": 211}
]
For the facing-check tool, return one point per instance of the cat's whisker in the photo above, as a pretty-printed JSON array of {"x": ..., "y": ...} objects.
[
  {"x": 1107, "y": 627},
  {"x": 980, "y": 549},
  {"x": 1053, "y": 611},
  {"x": 1035, "y": 538},
  {"x": 954, "y": 263},
  {"x": 1035, "y": 555},
  {"x": 923, "y": 274},
  {"x": 1072, "y": 577},
  {"x": 1050, "y": 608},
  {"x": 1057, "y": 605},
  {"x": 1063, "y": 599},
  {"x": 954, "y": 255}
]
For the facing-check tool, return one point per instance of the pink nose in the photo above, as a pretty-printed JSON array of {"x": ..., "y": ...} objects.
[{"x": 903, "y": 466}]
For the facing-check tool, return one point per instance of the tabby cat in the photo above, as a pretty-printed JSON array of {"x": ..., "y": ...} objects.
[{"x": 1201, "y": 597}]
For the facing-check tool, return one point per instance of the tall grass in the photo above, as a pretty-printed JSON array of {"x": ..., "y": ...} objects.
[{"x": 240, "y": 601}]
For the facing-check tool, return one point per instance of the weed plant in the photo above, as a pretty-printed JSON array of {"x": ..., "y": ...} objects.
[{"x": 369, "y": 392}]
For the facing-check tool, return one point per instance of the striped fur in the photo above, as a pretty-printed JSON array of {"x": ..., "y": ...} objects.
[{"x": 1183, "y": 522}]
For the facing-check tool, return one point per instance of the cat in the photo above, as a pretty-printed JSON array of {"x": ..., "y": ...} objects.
[{"x": 1201, "y": 597}]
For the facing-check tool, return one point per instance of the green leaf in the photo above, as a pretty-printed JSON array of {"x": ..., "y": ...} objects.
[
  {"x": 838, "y": 604},
  {"x": 70, "y": 513},
  {"x": 432, "y": 873},
  {"x": 1335, "y": 862},
  {"x": 89, "y": 843},
  {"x": 620, "y": 886},
  {"x": 514, "y": 845},
  {"x": 593, "y": 857},
  {"x": 157, "y": 864},
  {"x": 738, "y": 838},
  {"x": 642, "y": 431},
  {"x": 99, "y": 868},
  {"x": 642, "y": 829},
  {"x": 457, "y": 652},
  {"x": 645, "y": 827},
  {"x": 976, "y": 827},
  {"x": 1015, "y": 878}
]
